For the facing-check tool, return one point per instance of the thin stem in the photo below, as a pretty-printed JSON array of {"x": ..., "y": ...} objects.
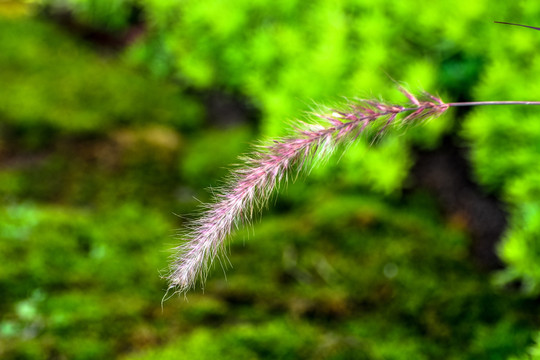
[
  {"x": 507, "y": 23},
  {"x": 474, "y": 103},
  {"x": 481, "y": 103}
]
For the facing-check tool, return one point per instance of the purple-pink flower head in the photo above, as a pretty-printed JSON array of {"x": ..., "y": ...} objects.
[{"x": 249, "y": 186}]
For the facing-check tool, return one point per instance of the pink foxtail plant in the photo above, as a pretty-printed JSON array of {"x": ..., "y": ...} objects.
[{"x": 250, "y": 186}]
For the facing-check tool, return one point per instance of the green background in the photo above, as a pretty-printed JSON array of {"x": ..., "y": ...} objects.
[{"x": 116, "y": 116}]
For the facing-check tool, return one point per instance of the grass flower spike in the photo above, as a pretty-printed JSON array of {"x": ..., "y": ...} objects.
[{"x": 250, "y": 185}]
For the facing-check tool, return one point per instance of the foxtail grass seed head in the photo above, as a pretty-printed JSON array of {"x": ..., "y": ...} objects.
[{"x": 249, "y": 186}]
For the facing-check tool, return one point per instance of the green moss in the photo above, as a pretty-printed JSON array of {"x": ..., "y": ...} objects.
[
  {"x": 272, "y": 340},
  {"x": 52, "y": 81}
]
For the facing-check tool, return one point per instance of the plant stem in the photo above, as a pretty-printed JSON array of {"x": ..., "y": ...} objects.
[
  {"x": 475, "y": 103},
  {"x": 481, "y": 103},
  {"x": 470, "y": 104}
]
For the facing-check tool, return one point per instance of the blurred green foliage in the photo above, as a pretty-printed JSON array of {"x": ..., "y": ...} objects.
[
  {"x": 505, "y": 150},
  {"x": 70, "y": 289},
  {"x": 99, "y": 148},
  {"x": 51, "y": 82}
]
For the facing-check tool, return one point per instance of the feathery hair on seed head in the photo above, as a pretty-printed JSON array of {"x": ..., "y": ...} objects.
[{"x": 250, "y": 185}]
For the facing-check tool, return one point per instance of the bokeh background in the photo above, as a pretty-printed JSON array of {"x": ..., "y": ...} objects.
[{"x": 117, "y": 115}]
